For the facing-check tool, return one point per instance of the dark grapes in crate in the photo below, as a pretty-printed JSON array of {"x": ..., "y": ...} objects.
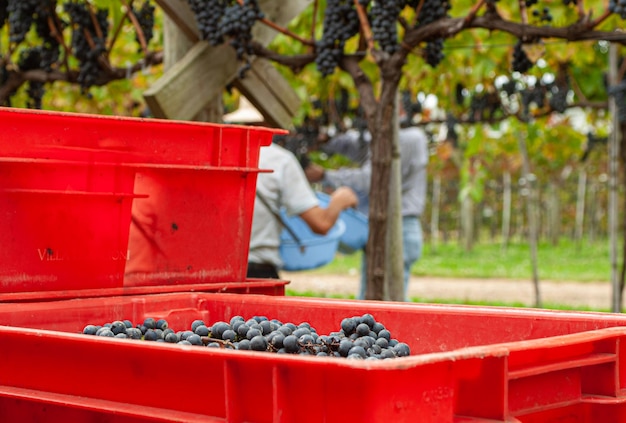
[{"x": 358, "y": 337}]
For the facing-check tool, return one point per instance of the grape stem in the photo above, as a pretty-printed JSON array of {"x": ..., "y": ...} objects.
[
  {"x": 140, "y": 35},
  {"x": 365, "y": 26},
  {"x": 94, "y": 21},
  {"x": 418, "y": 9},
  {"x": 523, "y": 12},
  {"x": 581, "y": 8},
  {"x": 286, "y": 32},
  {"x": 601, "y": 18},
  {"x": 101, "y": 59},
  {"x": 472, "y": 13},
  {"x": 223, "y": 344},
  {"x": 282, "y": 30},
  {"x": 116, "y": 33},
  {"x": 579, "y": 93},
  {"x": 55, "y": 33},
  {"x": 313, "y": 22}
]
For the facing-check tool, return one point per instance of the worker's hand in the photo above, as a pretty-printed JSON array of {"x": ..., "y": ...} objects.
[
  {"x": 344, "y": 197},
  {"x": 314, "y": 172}
]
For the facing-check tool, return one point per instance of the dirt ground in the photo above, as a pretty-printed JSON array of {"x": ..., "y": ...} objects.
[{"x": 593, "y": 295}]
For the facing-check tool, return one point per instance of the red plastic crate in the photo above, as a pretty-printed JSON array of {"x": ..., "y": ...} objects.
[
  {"x": 468, "y": 364},
  {"x": 93, "y": 202}
]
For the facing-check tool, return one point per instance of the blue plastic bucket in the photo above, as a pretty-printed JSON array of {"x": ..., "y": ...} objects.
[
  {"x": 314, "y": 250},
  {"x": 354, "y": 237}
]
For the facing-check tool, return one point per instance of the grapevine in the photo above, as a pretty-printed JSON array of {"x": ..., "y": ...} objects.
[{"x": 36, "y": 31}]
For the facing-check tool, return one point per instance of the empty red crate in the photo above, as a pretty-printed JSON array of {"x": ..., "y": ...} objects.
[
  {"x": 109, "y": 202},
  {"x": 468, "y": 364}
]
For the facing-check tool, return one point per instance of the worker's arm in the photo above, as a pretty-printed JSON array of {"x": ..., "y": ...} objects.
[{"x": 320, "y": 220}]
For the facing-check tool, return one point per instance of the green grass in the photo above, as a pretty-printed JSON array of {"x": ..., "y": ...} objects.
[{"x": 566, "y": 261}]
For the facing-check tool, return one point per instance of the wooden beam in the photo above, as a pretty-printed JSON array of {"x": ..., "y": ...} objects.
[
  {"x": 270, "y": 93},
  {"x": 182, "y": 92},
  {"x": 271, "y": 77},
  {"x": 266, "y": 102},
  {"x": 205, "y": 70},
  {"x": 180, "y": 12}
]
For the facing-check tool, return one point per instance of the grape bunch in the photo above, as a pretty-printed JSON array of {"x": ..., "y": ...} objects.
[
  {"x": 431, "y": 11},
  {"x": 433, "y": 53},
  {"x": 532, "y": 95},
  {"x": 359, "y": 337},
  {"x": 219, "y": 20},
  {"x": 543, "y": 15},
  {"x": 21, "y": 18},
  {"x": 208, "y": 14},
  {"x": 145, "y": 17},
  {"x": 568, "y": 2},
  {"x": 30, "y": 59},
  {"x": 341, "y": 22},
  {"x": 88, "y": 42},
  {"x": 510, "y": 87},
  {"x": 237, "y": 24},
  {"x": 384, "y": 20},
  {"x": 50, "y": 47},
  {"x": 619, "y": 94},
  {"x": 618, "y": 7},
  {"x": 558, "y": 98},
  {"x": 521, "y": 62}
]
